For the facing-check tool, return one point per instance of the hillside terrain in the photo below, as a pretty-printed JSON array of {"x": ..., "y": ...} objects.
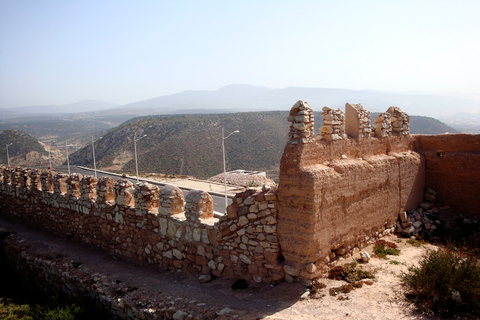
[
  {"x": 192, "y": 144},
  {"x": 24, "y": 149}
]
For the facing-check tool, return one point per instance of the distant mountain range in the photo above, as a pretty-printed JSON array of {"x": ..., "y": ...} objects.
[
  {"x": 76, "y": 107},
  {"x": 238, "y": 97},
  {"x": 77, "y": 120}
]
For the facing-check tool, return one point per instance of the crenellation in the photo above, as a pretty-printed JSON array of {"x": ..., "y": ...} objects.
[
  {"x": 382, "y": 125},
  {"x": 400, "y": 121},
  {"x": 357, "y": 121},
  {"x": 124, "y": 193},
  {"x": 88, "y": 189},
  {"x": 333, "y": 125},
  {"x": 302, "y": 127},
  {"x": 146, "y": 198},
  {"x": 36, "y": 183},
  {"x": 105, "y": 192},
  {"x": 171, "y": 200},
  {"x": 60, "y": 183},
  {"x": 73, "y": 186},
  {"x": 46, "y": 178},
  {"x": 199, "y": 205}
]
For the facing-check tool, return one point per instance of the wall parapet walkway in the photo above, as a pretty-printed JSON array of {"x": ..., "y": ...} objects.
[{"x": 152, "y": 224}]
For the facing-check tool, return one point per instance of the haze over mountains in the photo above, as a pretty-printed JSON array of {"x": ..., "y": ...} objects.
[{"x": 234, "y": 98}]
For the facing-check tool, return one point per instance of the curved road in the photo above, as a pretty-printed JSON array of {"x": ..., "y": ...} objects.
[{"x": 218, "y": 201}]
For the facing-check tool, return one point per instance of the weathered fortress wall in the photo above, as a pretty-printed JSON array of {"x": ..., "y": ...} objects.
[
  {"x": 347, "y": 185},
  {"x": 338, "y": 191},
  {"x": 156, "y": 225},
  {"x": 453, "y": 170}
]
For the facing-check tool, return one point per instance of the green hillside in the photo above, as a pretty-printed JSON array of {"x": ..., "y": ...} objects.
[
  {"x": 192, "y": 144},
  {"x": 22, "y": 144}
]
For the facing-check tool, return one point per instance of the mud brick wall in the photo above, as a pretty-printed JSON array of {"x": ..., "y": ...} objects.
[
  {"x": 335, "y": 195},
  {"x": 453, "y": 170},
  {"x": 153, "y": 224}
]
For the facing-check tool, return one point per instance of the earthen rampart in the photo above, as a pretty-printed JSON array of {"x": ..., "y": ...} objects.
[{"x": 157, "y": 225}]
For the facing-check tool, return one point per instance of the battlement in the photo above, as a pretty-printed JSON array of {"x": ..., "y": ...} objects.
[
  {"x": 158, "y": 225},
  {"x": 338, "y": 191}
]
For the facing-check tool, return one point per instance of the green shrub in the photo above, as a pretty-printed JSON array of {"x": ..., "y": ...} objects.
[
  {"x": 445, "y": 282},
  {"x": 350, "y": 273},
  {"x": 414, "y": 242},
  {"x": 13, "y": 311},
  {"x": 384, "y": 248}
]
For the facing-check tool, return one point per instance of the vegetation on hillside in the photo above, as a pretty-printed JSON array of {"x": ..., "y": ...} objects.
[
  {"x": 192, "y": 144},
  {"x": 22, "y": 144}
]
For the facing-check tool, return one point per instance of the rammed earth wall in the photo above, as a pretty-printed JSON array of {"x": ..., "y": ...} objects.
[{"x": 156, "y": 225}]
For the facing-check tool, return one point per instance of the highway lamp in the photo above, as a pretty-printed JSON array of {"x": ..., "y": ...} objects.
[
  {"x": 135, "y": 147},
  {"x": 93, "y": 154},
  {"x": 68, "y": 161},
  {"x": 8, "y": 157},
  {"x": 225, "y": 164},
  {"x": 49, "y": 158}
]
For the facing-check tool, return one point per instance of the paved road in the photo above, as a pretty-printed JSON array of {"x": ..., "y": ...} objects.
[{"x": 218, "y": 201}]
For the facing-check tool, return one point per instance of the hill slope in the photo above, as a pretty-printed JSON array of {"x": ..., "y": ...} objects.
[
  {"x": 24, "y": 149},
  {"x": 192, "y": 144}
]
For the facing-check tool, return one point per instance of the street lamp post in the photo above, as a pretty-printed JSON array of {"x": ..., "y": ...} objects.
[
  {"x": 68, "y": 161},
  {"x": 93, "y": 154},
  {"x": 8, "y": 157},
  {"x": 49, "y": 158},
  {"x": 225, "y": 164},
  {"x": 135, "y": 147}
]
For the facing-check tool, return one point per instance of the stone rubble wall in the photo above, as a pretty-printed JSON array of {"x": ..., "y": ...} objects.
[
  {"x": 156, "y": 225},
  {"x": 301, "y": 129},
  {"x": 382, "y": 125},
  {"x": 54, "y": 274},
  {"x": 333, "y": 125}
]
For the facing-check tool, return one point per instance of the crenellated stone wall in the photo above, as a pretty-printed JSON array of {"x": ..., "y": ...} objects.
[
  {"x": 157, "y": 225},
  {"x": 338, "y": 192}
]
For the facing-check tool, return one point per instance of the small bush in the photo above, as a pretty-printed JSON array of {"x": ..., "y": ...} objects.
[
  {"x": 384, "y": 248},
  {"x": 395, "y": 262},
  {"x": 346, "y": 288},
  {"x": 445, "y": 282},
  {"x": 350, "y": 273},
  {"x": 414, "y": 242},
  {"x": 316, "y": 286},
  {"x": 13, "y": 311}
]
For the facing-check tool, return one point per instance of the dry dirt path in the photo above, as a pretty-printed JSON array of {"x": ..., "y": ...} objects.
[{"x": 159, "y": 289}]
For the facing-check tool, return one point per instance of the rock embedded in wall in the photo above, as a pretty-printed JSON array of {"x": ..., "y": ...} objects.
[
  {"x": 333, "y": 125},
  {"x": 302, "y": 127}
]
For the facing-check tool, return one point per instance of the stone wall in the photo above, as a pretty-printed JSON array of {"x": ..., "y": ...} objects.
[{"x": 153, "y": 224}]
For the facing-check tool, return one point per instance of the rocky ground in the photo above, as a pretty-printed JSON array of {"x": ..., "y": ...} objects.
[{"x": 167, "y": 292}]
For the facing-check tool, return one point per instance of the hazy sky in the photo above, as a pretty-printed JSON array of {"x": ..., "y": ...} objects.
[{"x": 59, "y": 52}]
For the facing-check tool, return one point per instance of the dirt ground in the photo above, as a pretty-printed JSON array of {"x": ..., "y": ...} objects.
[{"x": 216, "y": 299}]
